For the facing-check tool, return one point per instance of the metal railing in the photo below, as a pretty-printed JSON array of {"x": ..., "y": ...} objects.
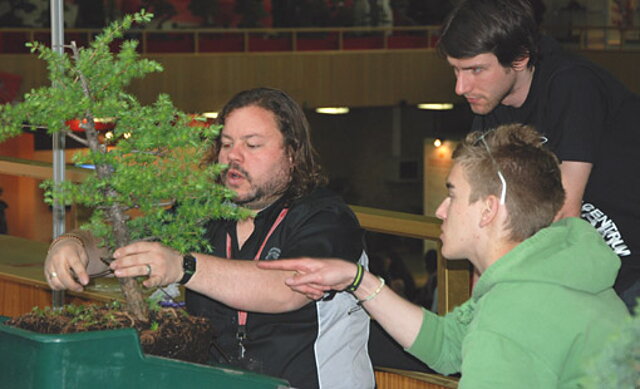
[
  {"x": 225, "y": 40},
  {"x": 601, "y": 38},
  {"x": 229, "y": 40}
]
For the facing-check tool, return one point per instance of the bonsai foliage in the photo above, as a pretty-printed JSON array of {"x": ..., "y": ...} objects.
[
  {"x": 147, "y": 182},
  {"x": 618, "y": 364}
]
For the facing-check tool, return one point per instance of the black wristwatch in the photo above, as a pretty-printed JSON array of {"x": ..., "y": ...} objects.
[{"x": 189, "y": 267}]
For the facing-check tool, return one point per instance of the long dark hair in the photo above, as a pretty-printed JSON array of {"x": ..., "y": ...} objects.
[
  {"x": 306, "y": 173},
  {"x": 506, "y": 28}
]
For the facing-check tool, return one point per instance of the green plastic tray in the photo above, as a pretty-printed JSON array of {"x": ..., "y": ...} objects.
[{"x": 106, "y": 359}]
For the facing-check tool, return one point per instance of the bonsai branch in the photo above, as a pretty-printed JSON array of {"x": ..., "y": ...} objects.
[
  {"x": 83, "y": 79},
  {"x": 77, "y": 138}
]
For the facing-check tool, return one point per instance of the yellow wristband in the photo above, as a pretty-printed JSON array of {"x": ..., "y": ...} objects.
[{"x": 374, "y": 294}]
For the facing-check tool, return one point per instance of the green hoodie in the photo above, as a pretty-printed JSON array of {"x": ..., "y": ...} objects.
[{"x": 536, "y": 316}]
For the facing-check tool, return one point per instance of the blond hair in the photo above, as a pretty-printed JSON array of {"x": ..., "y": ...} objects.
[{"x": 534, "y": 192}]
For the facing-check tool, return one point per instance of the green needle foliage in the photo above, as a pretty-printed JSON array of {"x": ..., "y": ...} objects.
[
  {"x": 150, "y": 168},
  {"x": 618, "y": 364}
]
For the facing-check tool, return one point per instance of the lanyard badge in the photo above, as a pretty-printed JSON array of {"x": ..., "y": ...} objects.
[{"x": 241, "y": 333}]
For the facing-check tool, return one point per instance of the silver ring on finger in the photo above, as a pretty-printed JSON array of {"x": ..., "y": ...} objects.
[
  {"x": 52, "y": 274},
  {"x": 148, "y": 270}
]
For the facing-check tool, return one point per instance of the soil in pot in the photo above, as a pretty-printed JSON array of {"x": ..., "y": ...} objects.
[{"x": 170, "y": 332}]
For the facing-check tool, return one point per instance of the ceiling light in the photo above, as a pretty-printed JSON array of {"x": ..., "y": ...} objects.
[
  {"x": 103, "y": 120},
  {"x": 333, "y": 110},
  {"x": 436, "y": 106}
]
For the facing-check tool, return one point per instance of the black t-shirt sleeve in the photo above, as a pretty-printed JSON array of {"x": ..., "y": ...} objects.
[
  {"x": 331, "y": 232},
  {"x": 574, "y": 116}
]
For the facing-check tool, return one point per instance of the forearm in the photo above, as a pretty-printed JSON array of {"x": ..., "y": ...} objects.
[
  {"x": 574, "y": 181},
  {"x": 400, "y": 318},
  {"x": 242, "y": 285},
  {"x": 313, "y": 277}
]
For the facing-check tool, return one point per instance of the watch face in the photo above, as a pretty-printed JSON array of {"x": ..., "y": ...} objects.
[{"x": 189, "y": 264}]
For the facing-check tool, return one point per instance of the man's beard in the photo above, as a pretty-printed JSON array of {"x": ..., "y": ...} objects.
[
  {"x": 488, "y": 105},
  {"x": 261, "y": 196}
]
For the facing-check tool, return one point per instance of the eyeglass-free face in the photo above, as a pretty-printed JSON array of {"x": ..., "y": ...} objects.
[
  {"x": 461, "y": 219},
  {"x": 253, "y": 147},
  {"x": 485, "y": 83}
]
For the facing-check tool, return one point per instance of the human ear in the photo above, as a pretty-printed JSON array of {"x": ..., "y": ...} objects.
[
  {"x": 490, "y": 208},
  {"x": 290, "y": 164},
  {"x": 520, "y": 64},
  {"x": 288, "y": 154}
]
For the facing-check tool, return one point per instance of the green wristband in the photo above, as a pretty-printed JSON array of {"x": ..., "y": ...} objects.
[{"x": 357, "y": 280}]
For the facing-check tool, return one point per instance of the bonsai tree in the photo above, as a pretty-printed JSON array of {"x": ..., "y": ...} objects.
[
  {"x": 618, "y": 364},
  {"x": 150, "y": 167}
]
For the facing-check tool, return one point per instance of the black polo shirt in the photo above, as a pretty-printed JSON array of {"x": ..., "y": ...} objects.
[{"x": 303, "y": 345}]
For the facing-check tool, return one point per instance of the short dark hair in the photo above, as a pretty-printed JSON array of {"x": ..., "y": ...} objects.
[
  {"x": 506, "y": 28},
  {"x": 306, "y": 174},
  {"x": 531, "y": 172}
]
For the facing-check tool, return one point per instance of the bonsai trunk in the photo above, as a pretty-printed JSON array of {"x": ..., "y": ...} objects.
[{"x": 130, "y": 288}]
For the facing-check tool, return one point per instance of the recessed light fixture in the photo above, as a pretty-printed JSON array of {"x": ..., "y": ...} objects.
[
  {"x": 103, "y": 120},
  {"x": 210, "y": 115},
  {"x": 333, "y": 110},
  {"x": 436, "y": 106}
]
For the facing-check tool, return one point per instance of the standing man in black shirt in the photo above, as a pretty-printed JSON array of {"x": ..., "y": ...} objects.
[
  {"x": 262, "y": 325},
  {"x": 509, "y": 73}
]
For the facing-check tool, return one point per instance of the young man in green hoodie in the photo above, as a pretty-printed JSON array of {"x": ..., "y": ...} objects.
[{"x": 544, "y": 303}]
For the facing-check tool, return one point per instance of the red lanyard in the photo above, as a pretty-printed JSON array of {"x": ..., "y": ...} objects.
[{"x": 242, "y": 315}]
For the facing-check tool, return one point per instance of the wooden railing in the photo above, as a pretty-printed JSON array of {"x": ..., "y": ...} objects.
[
  {"x": 453, "y": 276},
  {"x": 24, "y": 277},
  {"x": 602, "y": 38},
  {"x": 404, "y": 379}
]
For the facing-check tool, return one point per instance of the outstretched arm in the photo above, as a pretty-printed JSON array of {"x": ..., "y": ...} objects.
[
  {"x": 238, "y": 284},
  {"x": 400, "y": 318}
]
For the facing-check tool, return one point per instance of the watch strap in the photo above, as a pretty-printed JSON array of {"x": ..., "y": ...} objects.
[{"x": 188, "y": 267}]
